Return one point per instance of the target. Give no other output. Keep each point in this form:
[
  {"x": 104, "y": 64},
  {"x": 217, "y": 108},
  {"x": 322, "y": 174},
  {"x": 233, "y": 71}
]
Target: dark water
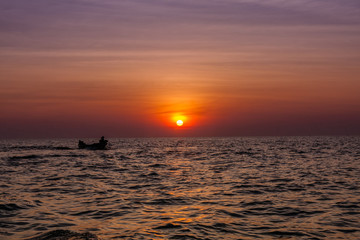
[{"x": 188, "y": 188}]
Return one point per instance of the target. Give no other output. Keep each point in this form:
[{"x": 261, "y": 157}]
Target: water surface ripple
[{"x": 183, "y": 188}]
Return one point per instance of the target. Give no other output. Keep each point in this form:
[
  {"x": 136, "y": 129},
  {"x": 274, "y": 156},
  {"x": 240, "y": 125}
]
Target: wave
[
  {"x": 34, "y": 156},
  {"x": 65, "y": 235},
  {"x": 41, "y": 147},
  {"x": 10, "y": 207}
]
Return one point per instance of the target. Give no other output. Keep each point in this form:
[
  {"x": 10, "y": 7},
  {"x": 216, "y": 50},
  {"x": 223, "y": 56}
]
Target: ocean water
[{"x": 183, "y": 188}]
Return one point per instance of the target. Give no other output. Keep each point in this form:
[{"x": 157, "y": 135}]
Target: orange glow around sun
[
  {"x": 178, "y": 112},
  {"x": 179, "y": 122},
  {"x": 179, "y": 119}
]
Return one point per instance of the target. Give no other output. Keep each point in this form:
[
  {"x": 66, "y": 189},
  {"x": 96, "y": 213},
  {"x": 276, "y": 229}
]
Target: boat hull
[{"x": 94, "y": 146}]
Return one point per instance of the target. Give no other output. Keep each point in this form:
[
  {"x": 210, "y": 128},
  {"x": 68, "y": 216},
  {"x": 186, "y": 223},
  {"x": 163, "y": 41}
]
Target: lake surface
[{"x": 183, "y": 188}]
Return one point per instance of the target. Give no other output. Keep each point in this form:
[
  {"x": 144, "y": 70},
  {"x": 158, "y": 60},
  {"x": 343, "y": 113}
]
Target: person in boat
[{"x": 102, "y": 141}]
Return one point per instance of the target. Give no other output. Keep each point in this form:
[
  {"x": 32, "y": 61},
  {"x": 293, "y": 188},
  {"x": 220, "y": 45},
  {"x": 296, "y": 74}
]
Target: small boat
[{"x": 101, "y": 145}]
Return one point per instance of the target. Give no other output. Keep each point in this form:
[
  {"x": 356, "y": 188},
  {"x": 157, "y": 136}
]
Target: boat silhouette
[{"x": 101, "y": 145}]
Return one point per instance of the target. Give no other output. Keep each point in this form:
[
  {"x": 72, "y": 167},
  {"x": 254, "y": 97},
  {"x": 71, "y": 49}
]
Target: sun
[{"x": 179, "y": 122}]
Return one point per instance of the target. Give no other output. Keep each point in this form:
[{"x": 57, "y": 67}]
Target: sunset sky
[{"x": 132, "y": 68}]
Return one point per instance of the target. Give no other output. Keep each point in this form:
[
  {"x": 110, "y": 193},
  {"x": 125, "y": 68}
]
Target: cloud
[{"x": 149, "y": 24}]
